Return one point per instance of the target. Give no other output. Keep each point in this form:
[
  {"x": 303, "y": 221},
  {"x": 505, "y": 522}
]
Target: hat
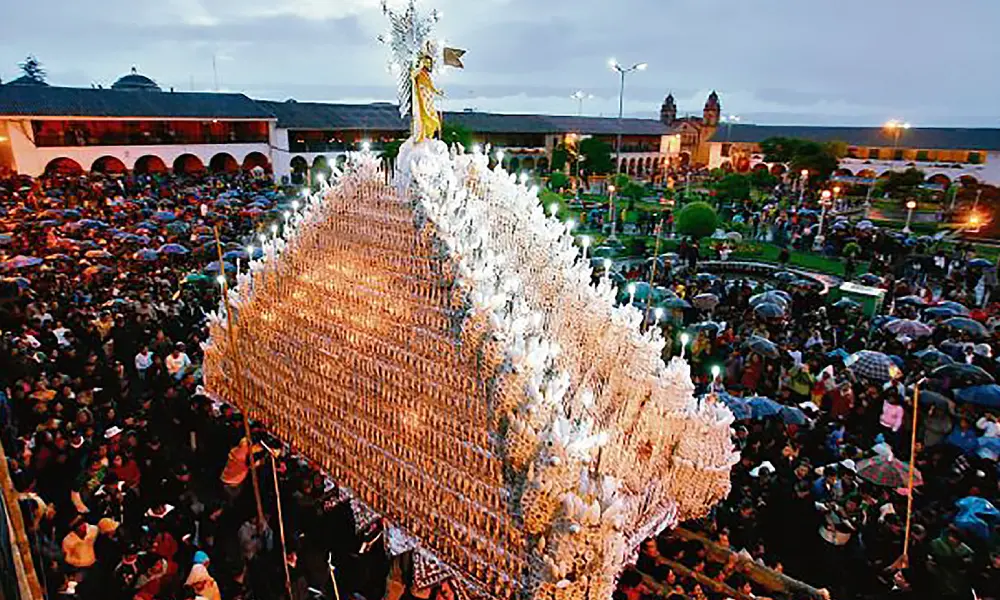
[
  {"x": 112, "y": 431},
  {"x": 983, "y": 350},
  {"x": 764, "y": 466},
  {"x": 849, "y": 465},
  {"x": 200, "y": 558},
  {"x": 107, "y": 526}
]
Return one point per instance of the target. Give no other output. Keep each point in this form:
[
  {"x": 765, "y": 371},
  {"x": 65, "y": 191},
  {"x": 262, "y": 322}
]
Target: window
[
  {"x": 975, "y": 158},
  {"x": 852, "y": 152},
  {"x": 725, "y": 149},
  {"x": 873, "y": 153},
  {"x": 923, "y": 155},
  {"x": 897, "y": 155}
]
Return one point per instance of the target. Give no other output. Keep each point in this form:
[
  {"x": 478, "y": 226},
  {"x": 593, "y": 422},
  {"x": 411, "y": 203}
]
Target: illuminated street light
[
  {"x": 580, "y": 96},
  {"x": 685, "y": 338},
  {"x": 909, "y": 215},
  {"x": 824, "y": 204},
  {"x": 896, "y": 127},
  {"x": 585, "y": 242},
  {"x": 553, "y": 209},
  {"x": 631, "y": 292}
]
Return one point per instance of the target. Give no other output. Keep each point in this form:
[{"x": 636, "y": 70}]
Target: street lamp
[
  {"x": 896, "y": 127},
  {"x": 611, "y": 206},
  {"x": 685, "y": 338},
  {"x": 803, "y": 181},
  {"x": 657, "y": 315},
  {"x": 909, "y": 215},
  {"x": 580, "y": 96},
  {"x": 729, "y": 120},
  {"x": 585, "y": 242},
  {"x": 621, "y": 104},
  {"x": 553, "y": 209},
  {"x": 824, "y": 202},
  {"x": 631, "y": 293}
]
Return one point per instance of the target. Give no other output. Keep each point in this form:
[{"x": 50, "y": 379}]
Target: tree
[
  {"x": 32, "y": 69},
  {"x": 733, "y": 187},
  {"x": 820, "y": 160},
  {"x": 697, "y": 219},
  {"x": 902, "y": 182},
  {"x": 596, "y": 157},
  {"x": 559, "y": 157},
  {"x": 453, "y": 133},
  {"x": 558, "y": 180},
  {"x": 762, "y": 179}
]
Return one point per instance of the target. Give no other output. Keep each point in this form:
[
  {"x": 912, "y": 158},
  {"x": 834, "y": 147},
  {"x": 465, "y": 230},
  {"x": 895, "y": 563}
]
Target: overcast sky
[{"x": 772, "y": 61}]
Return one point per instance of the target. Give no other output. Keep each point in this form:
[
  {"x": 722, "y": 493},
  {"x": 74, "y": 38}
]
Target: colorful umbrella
[
  {"x": 887, "y": 472},
  {"x": 21, "y": 262}
]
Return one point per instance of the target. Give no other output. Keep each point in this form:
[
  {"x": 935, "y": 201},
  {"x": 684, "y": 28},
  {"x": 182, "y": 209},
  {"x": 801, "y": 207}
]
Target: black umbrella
[
  {"x": 710, "y": 327},
  {"x": 934, "y": 398},
  {"x": 933, "y": 358},
  {"x": 785, "y": 276},
  {"x": 912, "y": 301},
  {"x": 962, "y": 375},
  {"x": 967, "y": 325}
]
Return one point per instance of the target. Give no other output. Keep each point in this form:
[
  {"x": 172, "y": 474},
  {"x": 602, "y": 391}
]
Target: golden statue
[
  {"x": 413, "y": 59},
  {"x": 426, "y": 120}
]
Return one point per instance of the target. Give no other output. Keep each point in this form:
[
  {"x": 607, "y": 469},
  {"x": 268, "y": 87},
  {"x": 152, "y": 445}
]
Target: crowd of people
[
  {"x": 823, "y": 396},
  {"x": 134, "y": 484}
]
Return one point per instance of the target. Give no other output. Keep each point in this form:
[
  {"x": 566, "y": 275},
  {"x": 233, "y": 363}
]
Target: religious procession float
[{"x": 433, "y": 340}]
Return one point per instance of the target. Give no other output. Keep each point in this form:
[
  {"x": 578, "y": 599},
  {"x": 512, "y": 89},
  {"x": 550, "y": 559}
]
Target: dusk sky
[{"x": 772, "y": 61}]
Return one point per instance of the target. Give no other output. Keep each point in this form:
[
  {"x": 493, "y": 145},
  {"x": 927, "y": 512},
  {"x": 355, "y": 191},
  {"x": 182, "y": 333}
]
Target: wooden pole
[
  {"x": 909, "y": 483},
  {"x": 231, "y": 332},
  {"x": 333, "y": 577},
  {"x": 28, "y": 585},
  {"x": 281, "y": 521}
]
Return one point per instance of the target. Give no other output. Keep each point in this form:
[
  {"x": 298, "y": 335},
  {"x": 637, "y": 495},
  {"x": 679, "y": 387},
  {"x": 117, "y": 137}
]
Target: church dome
[{"x": 136, "y": 83}]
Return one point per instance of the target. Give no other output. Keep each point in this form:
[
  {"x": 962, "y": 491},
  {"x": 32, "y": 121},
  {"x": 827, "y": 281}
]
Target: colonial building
[
  {"x": 137, "y": 126},
  {"x": 690, "y": 135},
  {"x": 945, "y": 154}
]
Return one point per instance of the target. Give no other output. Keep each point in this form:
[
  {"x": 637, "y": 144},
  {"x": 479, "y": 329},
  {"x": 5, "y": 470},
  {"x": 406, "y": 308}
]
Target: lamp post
[
  {"x": 622, "y": 71},
  {"x": 580, "y": 96},
  {"x": 836, "y": 195},
  {"x": 729, "y": 120},
  {"x": 585, "y": 242},
  {"x": 657, "y": 315},
  {"x": 803, "y": 181},
  {"x": 824, "y": 203},
  {"x": 631, "y": 293},
  {"x": 909, "y": 215},
  {"x": 607, "y": 267},
  {"x": 614, "y": 217},
  {"x": 896, "y": 127},
  {"x": 685, "y": 338}
]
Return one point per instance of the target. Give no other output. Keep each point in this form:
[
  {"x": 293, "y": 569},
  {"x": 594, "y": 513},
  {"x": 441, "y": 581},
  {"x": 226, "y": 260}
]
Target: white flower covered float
[{"x": 435, "y": 343}]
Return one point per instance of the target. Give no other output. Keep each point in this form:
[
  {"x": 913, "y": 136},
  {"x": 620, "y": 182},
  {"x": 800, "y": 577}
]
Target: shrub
[
  {"x": 852, "y": 249},
  {"x": 697, "y": 219}
]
